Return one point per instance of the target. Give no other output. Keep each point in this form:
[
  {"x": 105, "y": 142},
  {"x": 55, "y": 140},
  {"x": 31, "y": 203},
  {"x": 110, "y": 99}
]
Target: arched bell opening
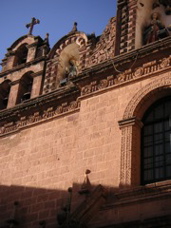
[
  {"x": 25, "y": 88},
  {"x": 21, "y": 55},
  {"x": 4, "y": 94}
]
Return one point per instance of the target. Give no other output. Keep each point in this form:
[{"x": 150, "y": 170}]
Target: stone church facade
[{"x": 85, "y": 126}]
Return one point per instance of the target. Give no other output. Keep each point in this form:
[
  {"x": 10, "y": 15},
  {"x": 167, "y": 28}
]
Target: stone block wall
[{"x": 38, "y": 164}]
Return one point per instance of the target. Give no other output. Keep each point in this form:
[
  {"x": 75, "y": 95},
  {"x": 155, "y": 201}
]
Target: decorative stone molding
[
  {"x": 105, "y": 47},
  {"x": 51, "y": 73},
  {"x": 136, "y": 103},
  {"x": 126, "y": 18},
  {"x": 130, "y": 154},
  {"x": 131, "y": 128},
  {"x": 38, "y": 117},
  {"x": 79, "y": 39},
  {"x": 147, "y": 69},
  {"x": 139, "y": 193},
  {"x": 28, "y": 114}
]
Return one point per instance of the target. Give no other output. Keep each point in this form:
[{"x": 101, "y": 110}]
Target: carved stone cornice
[
  {"x": 22, "y": 66},
  {"x": 37, "y": 110},
  {"x": 91, "y": 83},
  {"x": 118, "y": 62},
  {"x": 15, "y": 82},
  {"x": 36, "y": 74},
  {"x": 130, "y": 122},
  {"x": 133, "y": 195}
]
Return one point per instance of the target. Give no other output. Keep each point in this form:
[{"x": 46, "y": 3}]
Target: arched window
[
  {"x": 156, "y": 142},
  {"x": 21, "y": 55},
  {"x": 25, "y": 87},
  {"x": 4, "y": 94}
]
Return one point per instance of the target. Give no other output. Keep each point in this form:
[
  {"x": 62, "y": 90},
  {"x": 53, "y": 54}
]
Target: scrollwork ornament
[
  {"x": 103, "y": 84},
  {"x": 139, "y": 72},
  {"x": 86, "y": 90},
  {"x": 121, "y": 77},
  {"x": 59, "y": 110},
  {"x": 73, "y": 105},
  {"x": 165, "y": 63}
]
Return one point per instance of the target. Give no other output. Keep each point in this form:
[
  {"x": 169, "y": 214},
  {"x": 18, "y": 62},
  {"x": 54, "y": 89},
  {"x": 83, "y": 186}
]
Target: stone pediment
[{"x": 87, "y": 209}]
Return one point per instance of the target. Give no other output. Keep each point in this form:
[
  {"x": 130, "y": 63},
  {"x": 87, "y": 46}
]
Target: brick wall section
[{"x": 38, "y": 164}]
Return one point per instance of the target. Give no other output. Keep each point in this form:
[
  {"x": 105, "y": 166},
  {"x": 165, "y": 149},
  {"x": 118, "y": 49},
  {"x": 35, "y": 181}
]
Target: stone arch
[
  {"x": 25, "y": 87},
  {"x": 131, "y": 125},
  {"x": 146, "y": 96},
  {"x": 70, "y": 48},
  {"x": 21, "y": 55},
  {"x": 79, "y": 38}
]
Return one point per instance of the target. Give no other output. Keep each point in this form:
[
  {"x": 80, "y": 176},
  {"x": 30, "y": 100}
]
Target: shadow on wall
[
  {"x": 39, "y": 207},
  {"x": 85, "y": 206}
]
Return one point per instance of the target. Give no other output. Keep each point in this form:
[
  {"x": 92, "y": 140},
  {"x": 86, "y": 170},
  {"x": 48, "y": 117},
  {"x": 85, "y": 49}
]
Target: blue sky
[{"x": 56, "y": 17}]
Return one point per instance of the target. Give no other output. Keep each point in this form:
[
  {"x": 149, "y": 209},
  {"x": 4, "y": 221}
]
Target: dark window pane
[
  {"x": 148, "y": 175},
  {"x": 159, "y": 161},
  {"x": 158, "y": 138},
  {"x": 148, "y": 163},
  {"x": 149, "y": 117},
  {"x": 156, "y": 142},
  {"x": 167, "y": 136},
  {"x": 158, "y": 149},
  {"x": 166, "y": 125},
  {"x": 167, "y": 108},
  {"x": 148, "y": 151},
  {"x": 158, "y": 112},
  {"x": 168, "y": 171},
  {"x": 148, "y": 130},
  {"x": 159, "y": 173},
  {"x": 168, "y": 159},
  {"x": 158, "y": 127},
  {"x": 148, "y": 140},
  {"x": 168, "y": 147}
]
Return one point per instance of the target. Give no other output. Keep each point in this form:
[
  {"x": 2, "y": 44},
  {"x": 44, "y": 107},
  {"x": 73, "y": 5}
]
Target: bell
[
  {"x": 26, "y": 96},
  {"x": 5, "y": 101}
]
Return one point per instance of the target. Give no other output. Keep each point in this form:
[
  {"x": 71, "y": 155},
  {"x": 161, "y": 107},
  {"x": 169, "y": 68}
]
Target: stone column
[
  {"x": 37, "y": 82},
  {"x": 13, "y": 94},
  {"x": 31, "y": 52}
]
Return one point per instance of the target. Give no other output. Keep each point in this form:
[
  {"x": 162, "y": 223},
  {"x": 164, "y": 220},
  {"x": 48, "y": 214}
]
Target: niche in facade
[
  {"x": 68, "y": 63},
  {"x": 152, "y": 22},
  {"x": 21, "y": 55},
  {"x": 4, "y": 94},
  {"x": 25, "y": 88}
]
